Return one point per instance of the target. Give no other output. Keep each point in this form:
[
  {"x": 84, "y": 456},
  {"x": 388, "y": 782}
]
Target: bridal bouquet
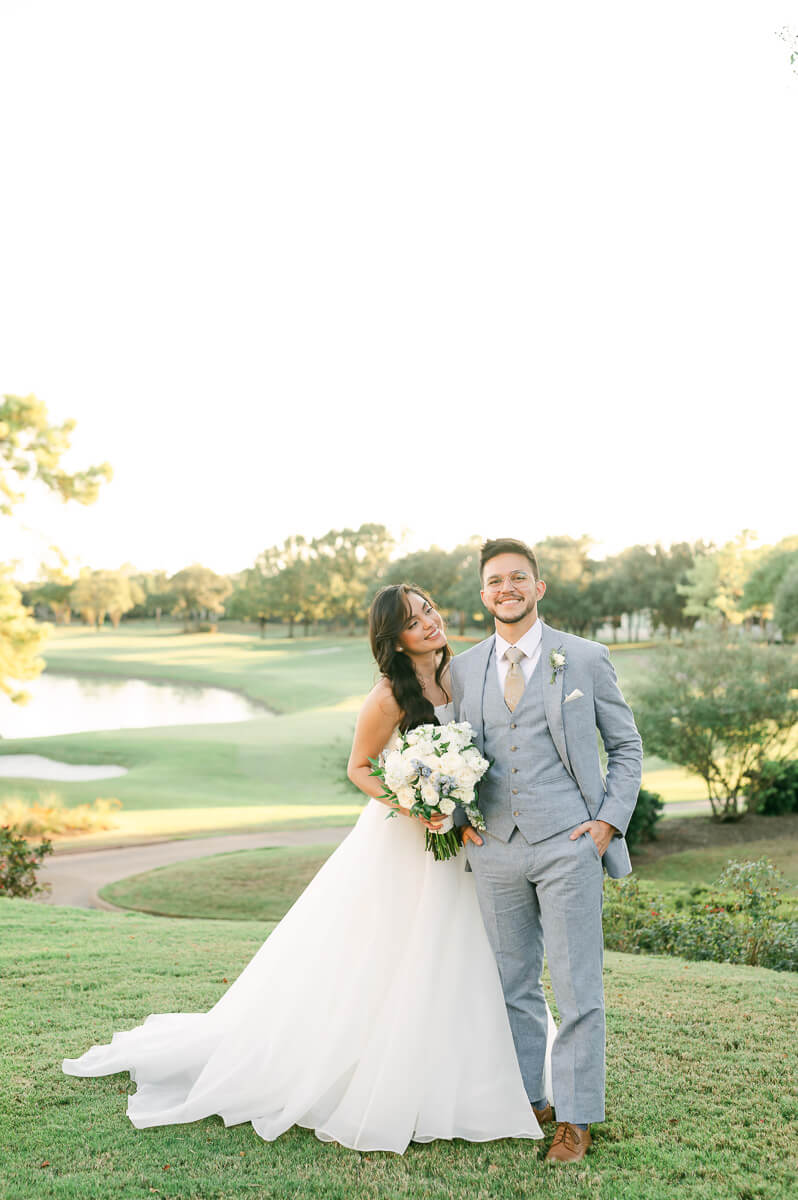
[{"x": 431, "y": 769}]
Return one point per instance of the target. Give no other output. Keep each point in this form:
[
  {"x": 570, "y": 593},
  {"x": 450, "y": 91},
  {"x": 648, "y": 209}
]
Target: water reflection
[{"x": 74, "y": 704}]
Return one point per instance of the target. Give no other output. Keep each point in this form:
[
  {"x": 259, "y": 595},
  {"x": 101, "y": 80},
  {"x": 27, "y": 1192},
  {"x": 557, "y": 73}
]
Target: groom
[{"x": 534, "y": 698}]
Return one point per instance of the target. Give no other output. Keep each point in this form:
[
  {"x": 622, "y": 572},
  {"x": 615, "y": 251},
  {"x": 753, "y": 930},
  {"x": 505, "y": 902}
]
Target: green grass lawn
[
  {"x": 269, "y": 771},
  {"x": 262, "y": 884},
  {"x": 245, "y": 885},
  {"x": 699, "y": 1097}
]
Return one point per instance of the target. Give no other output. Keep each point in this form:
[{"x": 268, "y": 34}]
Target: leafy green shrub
[
  {"x": 740, "y": 929},
  {"x": 19, "y": 862},
  {"x": 648, "y": 811},
  {"x": 718, "y": 705},
  {"x": 773, "y": 789}
]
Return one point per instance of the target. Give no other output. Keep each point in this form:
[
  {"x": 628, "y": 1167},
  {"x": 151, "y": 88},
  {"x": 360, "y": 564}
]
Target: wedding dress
[{"x": 372, "y": 1014}]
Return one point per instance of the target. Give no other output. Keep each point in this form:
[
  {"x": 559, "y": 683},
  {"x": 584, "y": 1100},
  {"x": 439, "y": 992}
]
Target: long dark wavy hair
[{"x": 389, "y": 611}]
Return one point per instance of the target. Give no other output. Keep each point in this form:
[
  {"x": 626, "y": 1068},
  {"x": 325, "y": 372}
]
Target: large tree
[
  {"x": 200, "y": 593},
  {"x": 31, "y": 448},
  {"x": 785, "y": 607},
  {"x": 98, "y": 594},
  {"x": 566, "y": 567},
  {"x": 719, "y": 705},
  {"x": 21, "y": 640},
  {"x": 715, "y": 583},
  {"x": 764, "y": 581},
  {"x": 667, "y": 603},
  {"x": 355, "y": 561}
]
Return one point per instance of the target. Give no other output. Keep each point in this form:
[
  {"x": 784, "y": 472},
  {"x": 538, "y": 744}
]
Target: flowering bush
[{"x": 742, "y": 929}]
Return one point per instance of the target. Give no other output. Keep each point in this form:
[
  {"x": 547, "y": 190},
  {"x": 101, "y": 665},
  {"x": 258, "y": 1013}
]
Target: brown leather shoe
[
  {"x": 570, "y": 1143},
  {"x": 543, "y": 1116}
]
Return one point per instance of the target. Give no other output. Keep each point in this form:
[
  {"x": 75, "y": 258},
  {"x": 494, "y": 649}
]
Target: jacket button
[
  {"x": 516, "y": 813},
  {"x": 515, "y": 770},
  {"x": 515, "y": 791},
  {"x": 513, "y": 725},
  {"x": 513, "y": 747}
]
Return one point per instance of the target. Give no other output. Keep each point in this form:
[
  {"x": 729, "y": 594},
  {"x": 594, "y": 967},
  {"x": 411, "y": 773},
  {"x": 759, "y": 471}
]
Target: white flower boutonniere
[{"x": 556, "y": 662}]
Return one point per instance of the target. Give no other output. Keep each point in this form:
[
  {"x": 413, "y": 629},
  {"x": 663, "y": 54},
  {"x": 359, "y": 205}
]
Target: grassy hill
[{"x": 699, "y": 1096}]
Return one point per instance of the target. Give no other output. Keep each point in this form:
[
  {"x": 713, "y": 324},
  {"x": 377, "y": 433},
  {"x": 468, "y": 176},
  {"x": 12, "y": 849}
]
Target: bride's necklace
[{"x": 432, "y": 682}]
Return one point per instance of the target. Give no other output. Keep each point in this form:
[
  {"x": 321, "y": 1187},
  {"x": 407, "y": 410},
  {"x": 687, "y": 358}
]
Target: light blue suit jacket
[{"x": 572, "y": 721}]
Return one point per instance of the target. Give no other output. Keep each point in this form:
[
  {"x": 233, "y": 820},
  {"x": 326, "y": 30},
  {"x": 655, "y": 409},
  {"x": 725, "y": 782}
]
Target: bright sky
[{"x": 512, "y": 268}]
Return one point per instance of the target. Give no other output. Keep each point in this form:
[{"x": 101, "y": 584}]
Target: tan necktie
[{"x": 514, "y": 680}]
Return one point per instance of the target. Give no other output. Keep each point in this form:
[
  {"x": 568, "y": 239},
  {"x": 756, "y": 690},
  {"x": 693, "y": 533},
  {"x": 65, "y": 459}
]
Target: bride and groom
[{"x": 400, "y": 998}]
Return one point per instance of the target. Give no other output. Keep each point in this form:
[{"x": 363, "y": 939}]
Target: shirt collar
[{"x": 528, "y": 643}]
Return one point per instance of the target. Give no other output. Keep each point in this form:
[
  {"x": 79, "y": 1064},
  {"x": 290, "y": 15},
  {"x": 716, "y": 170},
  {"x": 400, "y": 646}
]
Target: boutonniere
[{"x": 556, "y": 662}]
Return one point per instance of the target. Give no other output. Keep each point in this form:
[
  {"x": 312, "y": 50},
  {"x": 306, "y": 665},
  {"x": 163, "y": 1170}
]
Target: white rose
[
  {"x": 449, "y": 762},
  {"x": 558, "y": 660},
  {"x": 398, "y": 770},
  {"x": 406, "y": 797},
  {"x": 429, "y": 794},
  {"x": 447, "y": 807},
  {"x": 424, "y": 750},
  {"x": 465, "y": 795},
  {"x": 465, "y": 776}
]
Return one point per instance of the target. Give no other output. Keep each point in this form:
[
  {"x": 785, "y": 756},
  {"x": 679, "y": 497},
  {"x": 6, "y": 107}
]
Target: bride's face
[{"x": 423, "y": 630}]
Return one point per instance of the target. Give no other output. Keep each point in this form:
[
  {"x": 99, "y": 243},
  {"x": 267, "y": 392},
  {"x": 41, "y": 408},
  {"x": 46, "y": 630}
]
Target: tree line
[{"x": 329, "y": 581}]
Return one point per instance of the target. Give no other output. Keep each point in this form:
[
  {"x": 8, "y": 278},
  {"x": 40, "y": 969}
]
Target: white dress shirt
[{"x": 529, "y": 643}]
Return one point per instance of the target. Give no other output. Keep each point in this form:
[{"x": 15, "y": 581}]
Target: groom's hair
[{"x": 507, "y": 546}]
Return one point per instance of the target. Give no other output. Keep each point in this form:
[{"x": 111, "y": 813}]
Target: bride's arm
[{"x": 376, "y": 721}]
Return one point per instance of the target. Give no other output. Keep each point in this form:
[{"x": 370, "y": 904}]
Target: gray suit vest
[{"x": 528, "y": 785}]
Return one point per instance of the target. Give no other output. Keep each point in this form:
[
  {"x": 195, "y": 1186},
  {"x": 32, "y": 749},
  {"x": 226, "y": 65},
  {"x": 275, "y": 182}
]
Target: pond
[{"x": 74, "y": 704}]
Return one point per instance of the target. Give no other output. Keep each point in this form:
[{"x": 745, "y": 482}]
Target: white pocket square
[{"x": 574, "y": 695}]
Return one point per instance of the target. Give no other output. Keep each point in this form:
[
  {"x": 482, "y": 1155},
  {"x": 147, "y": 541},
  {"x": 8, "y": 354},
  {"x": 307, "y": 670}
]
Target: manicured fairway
[
  {"x": 263, "y": 884},
  {"x": 271, "y": 771},
  {"x": 700, "y": 1102},
  {"x": 248, "y": 885}
]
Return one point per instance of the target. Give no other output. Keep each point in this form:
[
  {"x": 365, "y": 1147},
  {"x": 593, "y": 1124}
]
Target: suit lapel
[
  {"x": 475, "y": 687},
  {"x": 552, "y": 694}
]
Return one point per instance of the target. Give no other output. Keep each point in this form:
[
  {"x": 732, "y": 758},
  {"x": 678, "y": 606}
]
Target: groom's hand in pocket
[
  {"x": 601, "y": 832},
  {"x": 470, "y": 835}
]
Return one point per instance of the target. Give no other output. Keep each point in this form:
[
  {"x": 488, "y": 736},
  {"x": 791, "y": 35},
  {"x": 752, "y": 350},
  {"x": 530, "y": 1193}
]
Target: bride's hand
[
  {"x": 470, "y": 834},
  {"x": 433, "y": 824}
]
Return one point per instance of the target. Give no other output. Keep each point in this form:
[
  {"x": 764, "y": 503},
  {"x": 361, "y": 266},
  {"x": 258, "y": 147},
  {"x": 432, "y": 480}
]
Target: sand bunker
[{"x": 34, "y": 766}]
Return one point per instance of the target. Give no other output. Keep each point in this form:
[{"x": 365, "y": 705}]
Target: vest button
[
  {"x": 513, "y": 747},
  {"x": 515, "y": 770},
  {"x": 513, "y": 725},
  {"x": 516, "y": 813},
  {"x": 515, "y": 791}
]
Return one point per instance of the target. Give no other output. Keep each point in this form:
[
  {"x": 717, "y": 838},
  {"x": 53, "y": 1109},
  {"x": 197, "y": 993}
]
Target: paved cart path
[{"x": 77, "y": 877}]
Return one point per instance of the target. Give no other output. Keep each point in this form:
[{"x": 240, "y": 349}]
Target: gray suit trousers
[{"x": 549, "y": 893}]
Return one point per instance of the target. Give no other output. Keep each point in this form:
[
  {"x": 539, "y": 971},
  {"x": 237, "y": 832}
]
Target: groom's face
[{"x": 510, "y": 591}]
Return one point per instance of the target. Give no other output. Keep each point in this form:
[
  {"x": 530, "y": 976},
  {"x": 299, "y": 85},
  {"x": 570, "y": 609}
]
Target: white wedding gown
[{"x": 372, "y": 1014}]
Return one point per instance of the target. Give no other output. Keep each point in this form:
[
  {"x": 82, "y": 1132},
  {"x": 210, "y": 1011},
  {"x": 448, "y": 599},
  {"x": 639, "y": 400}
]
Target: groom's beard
[{"x": 513, "y": 618}]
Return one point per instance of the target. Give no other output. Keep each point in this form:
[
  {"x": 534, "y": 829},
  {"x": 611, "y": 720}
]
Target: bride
[{"x": 373, "y": 1013}]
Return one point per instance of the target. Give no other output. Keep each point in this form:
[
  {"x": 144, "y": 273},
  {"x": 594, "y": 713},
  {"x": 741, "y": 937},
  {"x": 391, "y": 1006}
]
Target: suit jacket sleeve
[{"x": 622, "y": 743}]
